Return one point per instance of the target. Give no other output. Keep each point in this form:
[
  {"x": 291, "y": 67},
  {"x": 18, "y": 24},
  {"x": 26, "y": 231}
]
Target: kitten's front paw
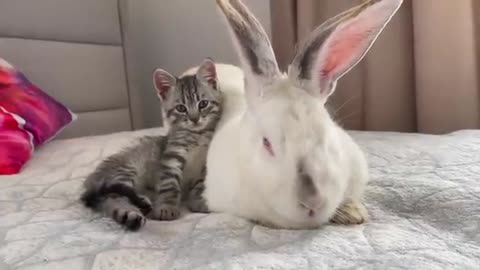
[
  {"x": 131, "y": 219},
  {"x": 164, "y": 212},
  {"x": 144, "y": 204},
  {"x": 198, "y": 206},
  {"x": 351, "y": 212}
]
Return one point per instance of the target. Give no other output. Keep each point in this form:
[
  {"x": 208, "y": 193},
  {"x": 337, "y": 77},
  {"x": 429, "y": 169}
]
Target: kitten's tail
[
  {"x": 119, "y": 201},
  {"x": 92, "y": 198},
  {"x": 112, "y": 192}
]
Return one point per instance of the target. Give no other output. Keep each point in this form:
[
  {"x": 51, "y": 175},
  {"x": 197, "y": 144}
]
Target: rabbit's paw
[{"x": 350, "y": 212}]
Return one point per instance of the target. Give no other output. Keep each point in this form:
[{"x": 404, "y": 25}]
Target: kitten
[{"x": 153, "y": 178}]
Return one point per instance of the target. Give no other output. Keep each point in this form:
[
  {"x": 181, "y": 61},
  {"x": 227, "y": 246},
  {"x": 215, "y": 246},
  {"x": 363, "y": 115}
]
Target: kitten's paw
[
  {"x": 351, "y": 212},
  {"x": 144, "y": 204},
  {"x": 130, "y": 219},
  {"x": 198, "y": 206},
  {"x": 164, "y": 212}
]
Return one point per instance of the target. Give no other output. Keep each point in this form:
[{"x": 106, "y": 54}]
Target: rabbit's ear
[
  {"x": 339, "y": 44},
  {"x": 164, "y": 82},
  {"x": 207, "y": 73},
  {"x": 252, "y": 43}
]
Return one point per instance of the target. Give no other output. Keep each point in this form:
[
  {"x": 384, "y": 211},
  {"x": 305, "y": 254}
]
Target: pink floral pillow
[{"x": 28, "y": 117}]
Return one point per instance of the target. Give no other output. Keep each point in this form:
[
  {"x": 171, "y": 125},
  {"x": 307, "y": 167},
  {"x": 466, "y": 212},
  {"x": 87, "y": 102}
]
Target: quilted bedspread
[{"x": 423, "y": 198}]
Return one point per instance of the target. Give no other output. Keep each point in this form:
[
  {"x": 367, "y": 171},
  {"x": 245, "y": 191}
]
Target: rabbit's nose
[
  {"x": 313, "y": 202},
  {"x": 312, "y": 206},
  {"x": 307, "y": 185}
]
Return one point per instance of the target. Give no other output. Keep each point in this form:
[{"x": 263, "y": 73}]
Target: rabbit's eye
[{"x": 268, "y": 146}]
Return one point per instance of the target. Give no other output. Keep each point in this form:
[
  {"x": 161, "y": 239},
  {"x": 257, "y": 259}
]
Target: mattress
[{"x": 423, "y": 198}]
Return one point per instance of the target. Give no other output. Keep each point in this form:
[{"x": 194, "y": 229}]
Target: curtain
[{"x": 422, "y": 74}]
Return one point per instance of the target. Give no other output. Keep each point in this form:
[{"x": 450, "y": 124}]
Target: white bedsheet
[{"x": 424, "y": 202}]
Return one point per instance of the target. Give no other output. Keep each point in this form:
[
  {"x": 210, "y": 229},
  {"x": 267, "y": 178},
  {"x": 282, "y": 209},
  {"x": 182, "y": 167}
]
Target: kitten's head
[{"x": 191, "y": 101}]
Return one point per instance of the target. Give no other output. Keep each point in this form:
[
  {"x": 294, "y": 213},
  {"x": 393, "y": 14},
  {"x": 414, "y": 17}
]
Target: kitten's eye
[
  {"x": 203, "y": 104},
  {"x": 181, "y": 108}
]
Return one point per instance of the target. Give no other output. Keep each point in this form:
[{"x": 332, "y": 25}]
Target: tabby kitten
[{"x": 155, "y": 177}]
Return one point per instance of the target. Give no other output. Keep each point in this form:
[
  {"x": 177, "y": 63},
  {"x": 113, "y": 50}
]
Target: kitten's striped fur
[{"x": 154, "y": 177}]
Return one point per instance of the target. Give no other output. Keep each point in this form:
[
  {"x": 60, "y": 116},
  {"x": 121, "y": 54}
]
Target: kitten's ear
[
  {"x": 164, "y": 82},
  {"x": 207, "y": 73}
]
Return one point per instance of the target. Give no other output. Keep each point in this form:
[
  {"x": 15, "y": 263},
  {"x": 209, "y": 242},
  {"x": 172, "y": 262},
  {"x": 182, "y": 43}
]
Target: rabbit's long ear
[
  {"x": 339, "y": 44},
  {"x": 251, "y": 41}
]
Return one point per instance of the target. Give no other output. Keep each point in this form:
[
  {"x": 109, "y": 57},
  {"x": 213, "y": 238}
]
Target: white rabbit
[{"x": 278, "y": 157}]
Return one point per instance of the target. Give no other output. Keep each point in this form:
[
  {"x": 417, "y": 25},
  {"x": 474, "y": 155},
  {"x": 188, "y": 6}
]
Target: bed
[
  {"x": 423, "y": 198},
  {"x": 424, "y": 202}
]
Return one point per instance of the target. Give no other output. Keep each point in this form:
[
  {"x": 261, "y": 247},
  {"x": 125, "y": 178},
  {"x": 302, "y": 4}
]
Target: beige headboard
[
  {"x": 97, "y": 56},
  {"x": 74, "y": 51}
]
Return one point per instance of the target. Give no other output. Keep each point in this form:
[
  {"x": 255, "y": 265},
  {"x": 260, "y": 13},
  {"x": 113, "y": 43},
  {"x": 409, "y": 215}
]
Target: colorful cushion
[
  {"x": 16, "y": 144},
  {"x": 28, "y": 117}
]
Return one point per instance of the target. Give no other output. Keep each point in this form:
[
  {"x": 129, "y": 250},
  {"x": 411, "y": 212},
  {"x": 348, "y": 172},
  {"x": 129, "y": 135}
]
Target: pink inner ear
[
  {"x": 210, "y": 75},
  {"x": 163, "y": 86},
  {"x": 211, "y": 72},
  {"x": 344, "y": 49},
  {"x": 350, "y": 41}
]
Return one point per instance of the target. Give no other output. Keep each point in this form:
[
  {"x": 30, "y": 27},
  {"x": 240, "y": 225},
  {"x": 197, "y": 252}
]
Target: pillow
[
  {"x": 16, "y": 144},
  {"x": 44, "y": 116},
  {"x": 28, "y": 114}
]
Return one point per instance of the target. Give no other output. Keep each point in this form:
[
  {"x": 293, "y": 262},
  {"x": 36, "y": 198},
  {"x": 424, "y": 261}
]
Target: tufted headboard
[
  {"x": 97, "y": 56},
  {"x": 74, "y": 51}
]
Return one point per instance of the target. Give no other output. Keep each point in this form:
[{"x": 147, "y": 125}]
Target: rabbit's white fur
[
  {"x": 308, "y": 168},
  {"x": 243, "y": 179}
]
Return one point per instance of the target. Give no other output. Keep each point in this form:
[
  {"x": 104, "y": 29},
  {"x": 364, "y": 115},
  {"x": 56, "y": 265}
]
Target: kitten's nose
[{"x": 194, "y": 118}]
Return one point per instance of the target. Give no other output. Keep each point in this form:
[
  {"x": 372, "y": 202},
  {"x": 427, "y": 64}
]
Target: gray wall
[{"x": 174, "y": 35}]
